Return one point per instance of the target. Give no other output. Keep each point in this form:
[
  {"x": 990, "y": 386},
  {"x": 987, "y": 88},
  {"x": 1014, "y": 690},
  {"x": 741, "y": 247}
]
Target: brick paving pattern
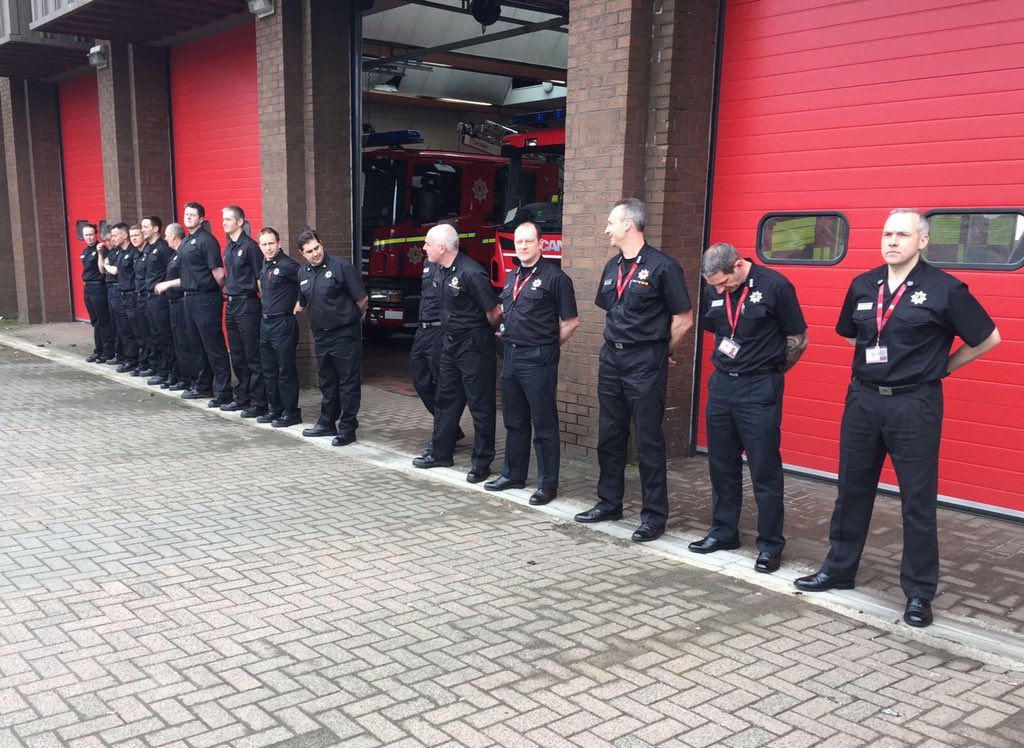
[{"x": 171, "y": 577}]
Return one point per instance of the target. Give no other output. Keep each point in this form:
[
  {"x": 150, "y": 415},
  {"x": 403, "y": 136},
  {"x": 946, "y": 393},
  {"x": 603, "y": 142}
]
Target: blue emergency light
[{"x": 530, "y": 118}]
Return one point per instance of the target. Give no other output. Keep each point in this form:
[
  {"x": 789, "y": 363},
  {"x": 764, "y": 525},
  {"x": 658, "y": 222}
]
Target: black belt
[
  {"x": 900, "y": 389},
  {"x": 526, "y": 345},
  {"x": 190, "y": 293},
  {"x": 425, "y": 325},
  {"x": 277, "y": 315},
  {"x": 623, "y": 346},
  {"x": 237, "y": 296},
  {"x": 755, "y": 372},
  {"x": 95, "y": 283},
  {"x": 127, "y": 293}
]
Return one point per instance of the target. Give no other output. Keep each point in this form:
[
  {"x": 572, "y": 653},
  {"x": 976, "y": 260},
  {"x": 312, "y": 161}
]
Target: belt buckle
[
  {"x": 885, "y": 390},
  {"x": 617, "y": 345}
]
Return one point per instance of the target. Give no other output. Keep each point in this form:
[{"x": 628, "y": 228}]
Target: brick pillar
[
  {"x": 638, "y": 117},
  {"x": 149, "y": 106},
  {"x": 32, "y": 148},
  {"x": 117, "y": 135},
  {"x": 8, "y": 288}
]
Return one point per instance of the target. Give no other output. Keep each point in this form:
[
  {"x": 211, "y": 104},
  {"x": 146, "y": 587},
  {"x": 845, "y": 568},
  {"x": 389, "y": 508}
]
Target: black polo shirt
[
  {"x": 242, "y": 260},
  {"x": 656, "y": 290},
  {"x": 430, "y": 292},
  {"x": 770, "y": 313},
  {"x": 280, "y": 284},
  {"x": 141, "y": 260},
  {"x": 935, "y": 308},
  {"x": 466, "y": 297},
  {"x": 90, "y": 271},
  {"x": 173, "y": 273},
  {"x": 329, "y": 293},
  {"x": 158, "y": 254},
  {"x": 546, "y": 296},
  {"x": 198, "y": 255},
  {"x": 112, "y": 255},
  {"x": 126, "y": 268}
]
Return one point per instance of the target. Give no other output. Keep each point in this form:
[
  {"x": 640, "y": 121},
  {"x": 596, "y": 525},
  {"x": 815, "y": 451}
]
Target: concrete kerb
[{"x": 958, "y": 636}]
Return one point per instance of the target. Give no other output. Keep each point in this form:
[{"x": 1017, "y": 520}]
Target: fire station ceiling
[{"x": 435, "y": 49}]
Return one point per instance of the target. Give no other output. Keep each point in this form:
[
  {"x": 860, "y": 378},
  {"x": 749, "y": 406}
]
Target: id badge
[
  {"x": 877, "y": 355},
  {"x": 728, "y": 347}
]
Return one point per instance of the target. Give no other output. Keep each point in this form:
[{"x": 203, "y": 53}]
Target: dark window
[
  {"x": 439, "y": 188},
  {"x": 383, "y": 191},
  {"x": 976, "y": 238},
  {"x": 802, "y": 238}
]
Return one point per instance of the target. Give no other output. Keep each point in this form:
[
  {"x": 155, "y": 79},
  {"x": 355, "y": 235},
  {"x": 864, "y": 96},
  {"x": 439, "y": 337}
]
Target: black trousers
[
  {"x": 279, "y": 338},
  {"x": 339, "y": 354},
  {"x": 158, "y": 314},
  {"x": 745, "y": 413},
  {"x": 142, "y": 333},
  {"x": 908, "y": 428},
  {"x": 206, "y": 338},
  {"x": 182, "y": 342},
  {"x": 114, "y": 305},
  {"x": 99, "y": 317},
  {"x": 467, "y": 375},
  {"x": 129, "y": 324},
  {"x": 424, "y": 362},
  {"x": 529, "y": 381},
  {"x": 631, "y": 386},
  {"x": 242, "y": 321}
]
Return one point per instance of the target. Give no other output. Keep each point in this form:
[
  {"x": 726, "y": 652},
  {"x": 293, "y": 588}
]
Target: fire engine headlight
[{"x": 385, "y": 295}]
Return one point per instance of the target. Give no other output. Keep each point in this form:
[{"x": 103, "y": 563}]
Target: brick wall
[
  {"x": 116, "y": 132},
  {"x": 149, "y": 107},
  {"x": 8, "y": 288},
  {"x": 637, "y": 113}
]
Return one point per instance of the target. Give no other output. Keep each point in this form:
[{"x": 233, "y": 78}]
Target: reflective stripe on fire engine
[{"x": 405, "y": 239}]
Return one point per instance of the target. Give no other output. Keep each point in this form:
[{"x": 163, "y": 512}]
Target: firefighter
[
  {"x": 539, "y": 316},
  {"x": 469, "y": 313},
  {"x": 759, "y": 333},
  {"x": 96, "y": 298},
  {"x": 158, "y": 314},
  {"x": 170, "y": 287},
  {"x": 279, "y": 332},
  {"x": 643, "y": 293},
  {"x": 901, "y": 318}
]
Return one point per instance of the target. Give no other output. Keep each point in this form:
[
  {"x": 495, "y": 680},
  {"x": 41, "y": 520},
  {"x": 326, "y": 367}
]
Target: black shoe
[
  {"x": 543, "y": 496},
  {"x": 194, "y": 394},
  {"x": 231, "y": 407},
  {"x": 428, "y": 461},
  {"x": 177, "y": 386},
  {"x": 129, "y": 368},
  {"x": 710, "y": 545},
  {"x": 820, "y": 581},
  {"x": 598, "y": 515},
  {"x": 289, "y": 419},
  {"x": 115, "y": 361},
  {"x": 219, "y": 402},
  {"x": 253, "y": 411},
  {"x": 477, "y": 474},
  {"x": 268, "y": 417},
  {"x": 156, "y": 380},
  {"x": 767, "y": 562},
  {"x": 918, "y": 613},
  {"x": 318, "y": 429},
  {"x": 344, "y": 438},
  {"x": 93, "y": 358},
  {"x": 101, "y": 360},
  {"x": 647, "y": 532},
  {"x": 147, "y": 372},
  {"x": 501, "y": 483},
  {"x": 166, "y": 384}
]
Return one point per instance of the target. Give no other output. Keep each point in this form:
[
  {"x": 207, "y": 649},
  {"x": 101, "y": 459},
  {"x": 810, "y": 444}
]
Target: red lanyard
[
  {"x": 620, "y": 283},
  {"x": 882, "y": 319},
  {"x": 733, "y": 321},
  {"x": 517, "y": 287}
]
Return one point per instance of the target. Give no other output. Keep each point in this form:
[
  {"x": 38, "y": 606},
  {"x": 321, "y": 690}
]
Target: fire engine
[{"x": 405, "y": 192}]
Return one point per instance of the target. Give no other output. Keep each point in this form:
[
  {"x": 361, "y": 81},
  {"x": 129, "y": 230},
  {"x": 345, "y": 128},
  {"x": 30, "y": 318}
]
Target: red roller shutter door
[
  {"x": 82, "y": 159},
  {"x": 215, "y": 125},
  {"x": 819, "y": 110}
]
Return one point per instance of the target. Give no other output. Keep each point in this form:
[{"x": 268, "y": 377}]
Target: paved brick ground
[{"x": 172, "y": 577}]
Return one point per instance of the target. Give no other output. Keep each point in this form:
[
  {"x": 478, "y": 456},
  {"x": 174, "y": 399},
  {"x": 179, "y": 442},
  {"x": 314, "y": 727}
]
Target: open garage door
[
  {"x": 82, "y": 161},
  {"x": 215, "y": 125}
]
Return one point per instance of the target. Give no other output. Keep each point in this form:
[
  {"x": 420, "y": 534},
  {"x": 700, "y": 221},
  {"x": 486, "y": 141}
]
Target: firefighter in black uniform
[
  {"x": 202, "y": 276},
  {"x": 242, "y": 261},
  {"x": 158, "y": 313},
  {"x": 901, "y": 318},
  {"x": 122, "y": 268},
  {"x": 279, "y": 332},
  {"x": 468, "y": 370},
  {"x": 539, "y": 315},
  {"x": 643, "y": 293},
  {"x": 331, "y": 289},
  {"x": 759, "y": 333},
  {"x": 141, "y": 327},
  {"x": 96, "y": 298},
  {"x": 109, "y": 252},
  {"x": 170, "y": 288}
]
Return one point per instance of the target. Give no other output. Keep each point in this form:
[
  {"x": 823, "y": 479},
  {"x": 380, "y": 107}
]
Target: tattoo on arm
[{"x": 795, "y": 345}]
